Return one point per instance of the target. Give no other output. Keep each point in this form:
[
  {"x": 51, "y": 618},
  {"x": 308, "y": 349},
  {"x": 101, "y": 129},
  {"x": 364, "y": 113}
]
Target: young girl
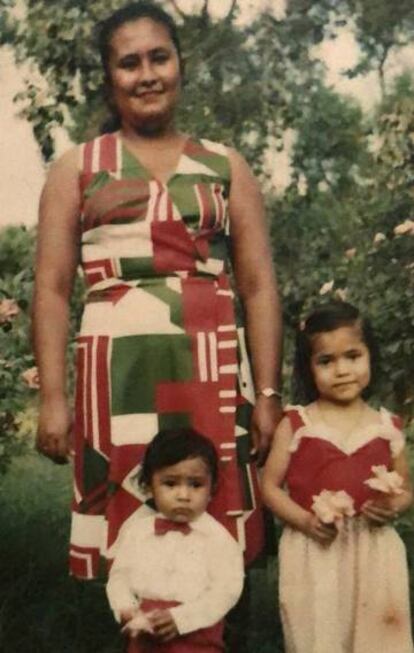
[
  {"x": 343, "y": 579},
  {"x": 177, "y": 572}
]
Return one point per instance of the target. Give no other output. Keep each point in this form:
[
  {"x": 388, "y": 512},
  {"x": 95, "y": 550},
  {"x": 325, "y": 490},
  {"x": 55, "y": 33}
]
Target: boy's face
[{"x": 182, "y": 492}]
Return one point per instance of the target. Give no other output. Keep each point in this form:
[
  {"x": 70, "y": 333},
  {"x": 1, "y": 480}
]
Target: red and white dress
[{"x": 351, "y": 596}]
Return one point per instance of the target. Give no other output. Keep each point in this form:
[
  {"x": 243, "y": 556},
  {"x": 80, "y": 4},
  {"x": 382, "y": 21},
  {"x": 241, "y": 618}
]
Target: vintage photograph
[{"x": 206, "y": 326}]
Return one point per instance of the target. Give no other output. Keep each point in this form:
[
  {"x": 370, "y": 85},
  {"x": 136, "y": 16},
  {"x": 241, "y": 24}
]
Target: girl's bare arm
[{"x": 275, "y": 497}]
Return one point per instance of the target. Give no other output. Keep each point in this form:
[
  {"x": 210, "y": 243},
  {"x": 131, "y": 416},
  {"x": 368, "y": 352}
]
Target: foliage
[
  {"x": 236, "y": 88},
  {"x": 18, "y": 377},
  {"x": 354, "y": 233},
  {"x": 16, "y": 246},
  {"x": 351, "y": 173}
]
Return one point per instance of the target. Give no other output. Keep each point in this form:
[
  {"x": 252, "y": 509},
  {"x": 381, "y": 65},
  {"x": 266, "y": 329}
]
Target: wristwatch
[{"x": 269, "y": 392}]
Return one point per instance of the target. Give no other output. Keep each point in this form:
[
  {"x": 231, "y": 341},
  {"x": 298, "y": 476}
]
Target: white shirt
[{"x": 203, "y": 570}]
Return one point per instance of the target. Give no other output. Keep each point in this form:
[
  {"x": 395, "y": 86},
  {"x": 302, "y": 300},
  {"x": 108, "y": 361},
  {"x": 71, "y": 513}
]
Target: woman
[{"x": 147, "y": 210}]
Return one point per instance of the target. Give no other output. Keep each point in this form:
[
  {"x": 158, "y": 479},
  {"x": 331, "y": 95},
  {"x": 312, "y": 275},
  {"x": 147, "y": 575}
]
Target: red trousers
[{"x": 205, "y": 640}]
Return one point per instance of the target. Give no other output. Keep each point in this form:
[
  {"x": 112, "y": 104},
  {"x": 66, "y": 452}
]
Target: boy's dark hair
[
  {"x": 325, "y": 318},
  {"x": 172, "y": 446},
  {"x": 130, "y": 13}
]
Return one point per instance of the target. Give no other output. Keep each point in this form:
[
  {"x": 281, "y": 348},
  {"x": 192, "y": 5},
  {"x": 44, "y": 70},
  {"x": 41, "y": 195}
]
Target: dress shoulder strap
[
  {"x": 210, "y": 158},
  {"x": 294, "y": 414},
  {"x": 102, "y": 153}
]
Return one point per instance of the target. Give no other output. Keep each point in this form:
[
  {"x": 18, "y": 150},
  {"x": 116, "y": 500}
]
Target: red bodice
[{"x": 318, "y": 463}]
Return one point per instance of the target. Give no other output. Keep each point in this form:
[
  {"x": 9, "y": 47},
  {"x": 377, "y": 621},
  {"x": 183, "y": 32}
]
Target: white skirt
[{"x": 349, "y": 597}]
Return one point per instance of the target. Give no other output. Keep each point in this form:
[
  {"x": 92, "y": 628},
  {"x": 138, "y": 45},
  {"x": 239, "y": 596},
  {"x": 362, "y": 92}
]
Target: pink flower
[
  {"x": 379, "y": 237},
  {"x": 406, "y": 228},
  {"x": 332, "y": 507},
  {"x": 350, "y": 253},
  {"x": 137, "y": 625},
  {"x": 385, "y": 481},
  {"x": 8, "y": 310},
  {"x": 327, "y": 287},
  {"x": 31, "y": 378},
  {"x": 341, "y": 294}
]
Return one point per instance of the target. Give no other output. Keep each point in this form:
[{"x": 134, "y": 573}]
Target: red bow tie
[{"x": 162, "y": 526}]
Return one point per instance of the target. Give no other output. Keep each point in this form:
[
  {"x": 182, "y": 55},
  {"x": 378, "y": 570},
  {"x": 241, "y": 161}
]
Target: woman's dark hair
[
  {"x": 130, "y": 13},
  {"x": 106, "y": 30},
  {"x": 172, "y": 446},
  {"x": 325, "y": 318}
]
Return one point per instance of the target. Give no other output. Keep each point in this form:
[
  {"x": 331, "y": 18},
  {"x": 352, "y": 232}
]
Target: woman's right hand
[
  {"x": 318, "y": 531},
  {"x": 54, "y": 430}
]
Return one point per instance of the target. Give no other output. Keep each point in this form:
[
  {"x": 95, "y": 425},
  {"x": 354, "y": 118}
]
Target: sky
[{"x": 22, "y": 170}]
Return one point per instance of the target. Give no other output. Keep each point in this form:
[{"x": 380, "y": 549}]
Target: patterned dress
[
  {"x": 161, "y": 343},
  {"x": 350, "y": 596}
]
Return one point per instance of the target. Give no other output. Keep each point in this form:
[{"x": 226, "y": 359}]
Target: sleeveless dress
[
  {"x": 161, "y": 342},
  {"x": 351, "y": 596}
]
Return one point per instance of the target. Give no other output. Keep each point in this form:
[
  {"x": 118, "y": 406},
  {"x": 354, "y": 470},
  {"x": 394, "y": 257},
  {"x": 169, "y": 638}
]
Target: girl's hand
[
  {"x": 163, "y": 625},
  {"x": 318, "y": 531},
  {"x": 54, "y": 429},
  {"x": 379, "y": 514},
  {"x": 267, "y": 414}
]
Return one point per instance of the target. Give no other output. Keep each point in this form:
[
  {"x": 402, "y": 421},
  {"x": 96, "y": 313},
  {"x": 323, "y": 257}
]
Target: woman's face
[{"x": 144, "y": 74}]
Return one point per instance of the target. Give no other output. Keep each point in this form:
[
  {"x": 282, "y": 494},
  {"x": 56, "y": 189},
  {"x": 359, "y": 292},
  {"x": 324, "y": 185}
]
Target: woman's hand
[
  {"x": 379, "y": 513},
  {"x": 163, "y": 624},
  {"x": 318, "y": 531},
  {"x": 54, "y": 430},
  {"x": 267, "y": 414}
]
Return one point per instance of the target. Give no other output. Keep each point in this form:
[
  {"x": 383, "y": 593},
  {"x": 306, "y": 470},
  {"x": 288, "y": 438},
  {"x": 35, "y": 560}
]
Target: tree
[{"x": 236, "y": 87}]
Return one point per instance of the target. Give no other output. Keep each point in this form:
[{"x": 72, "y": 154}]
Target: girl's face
[
  {"x": 182, "y": 492},
  {"x": 340, "y": 364},
  {"x": 144, "y": 73}
]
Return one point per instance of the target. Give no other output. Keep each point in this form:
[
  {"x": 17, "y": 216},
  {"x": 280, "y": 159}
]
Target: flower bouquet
[
  {"x": 137, "y": 625},
  {"x": 333, "y": 507},
  {"x": 386, "y": 484},
  {"x": 384, "y": 481}
]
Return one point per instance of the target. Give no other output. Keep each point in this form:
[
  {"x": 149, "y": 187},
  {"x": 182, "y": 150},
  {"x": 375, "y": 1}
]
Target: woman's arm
[
  {"x": 56, "y": 261},
  {"x": 278, "y": 500},
  {"x": 256, "y": 283}
]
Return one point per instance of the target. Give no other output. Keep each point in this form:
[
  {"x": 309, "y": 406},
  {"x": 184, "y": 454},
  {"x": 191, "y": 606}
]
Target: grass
[{"x": 43, "y": 610}]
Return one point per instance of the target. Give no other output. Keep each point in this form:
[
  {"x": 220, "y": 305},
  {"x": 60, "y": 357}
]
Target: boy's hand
[
  {"x": 378, "y": 514},
  {"x": 126, "y": 615},
  {"x": 163, "y": 625},
  {"x": 318, "y": 531}
]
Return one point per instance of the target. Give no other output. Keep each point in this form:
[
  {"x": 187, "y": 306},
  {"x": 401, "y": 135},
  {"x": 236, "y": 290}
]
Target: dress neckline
[
  {"x": 383, "y": 414},
  {"x": 150, "y": 176},
  {"x": 356, "y": 440}
]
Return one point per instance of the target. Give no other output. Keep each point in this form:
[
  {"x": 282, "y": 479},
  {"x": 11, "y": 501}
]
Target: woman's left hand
[
  {"x": 267, "y": 414},
  {"x": 378, "y": 514}
]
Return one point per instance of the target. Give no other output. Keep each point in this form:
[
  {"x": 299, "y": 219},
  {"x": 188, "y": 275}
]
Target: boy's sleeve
[
  {"x": 118, "y": 589},
  {"x": 226, "y": 574}
]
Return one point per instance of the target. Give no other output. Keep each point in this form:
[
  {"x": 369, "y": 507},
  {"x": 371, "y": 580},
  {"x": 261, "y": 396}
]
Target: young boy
[{"x": 177, "y": 572}]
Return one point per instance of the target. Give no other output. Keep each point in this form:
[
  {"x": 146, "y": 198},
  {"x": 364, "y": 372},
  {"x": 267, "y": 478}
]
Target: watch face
[{"x": 268, "y": 392}]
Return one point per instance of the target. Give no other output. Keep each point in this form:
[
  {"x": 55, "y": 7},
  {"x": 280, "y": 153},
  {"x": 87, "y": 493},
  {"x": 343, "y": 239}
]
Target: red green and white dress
[{"x": 161, "y": 343}]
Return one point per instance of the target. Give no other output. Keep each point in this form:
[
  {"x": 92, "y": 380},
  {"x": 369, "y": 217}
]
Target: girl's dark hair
[
  {"x": 172, "y": 446},
  {"x": 108, "y": 27},
  {"x": 325, "y": 318}
]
